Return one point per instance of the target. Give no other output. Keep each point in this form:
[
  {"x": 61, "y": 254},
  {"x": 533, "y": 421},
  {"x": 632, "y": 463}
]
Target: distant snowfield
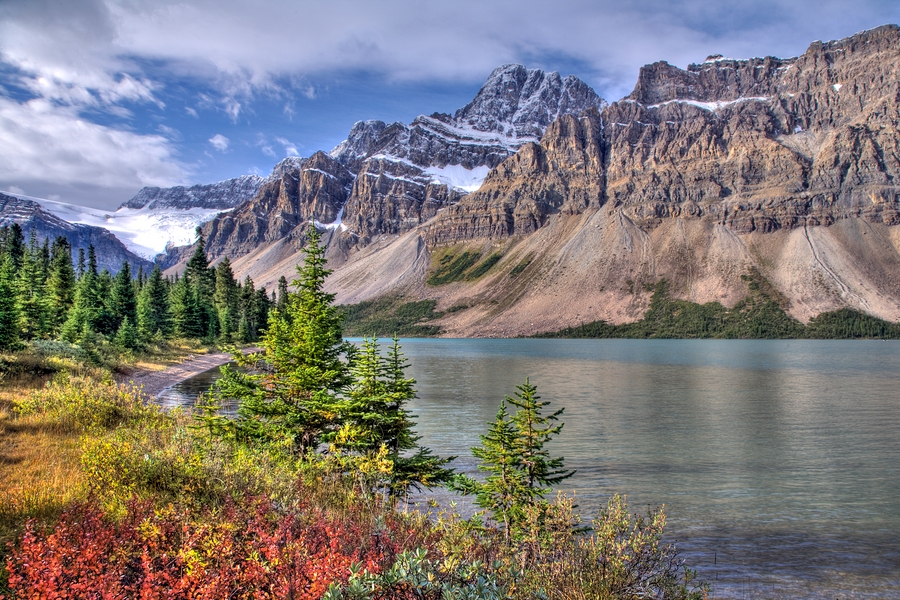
[{"x": 143, "y": 231}]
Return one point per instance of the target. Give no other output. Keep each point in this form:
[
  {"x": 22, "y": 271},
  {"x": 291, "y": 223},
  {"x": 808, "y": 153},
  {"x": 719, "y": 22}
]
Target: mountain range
[{"x": 539, "y": 206}]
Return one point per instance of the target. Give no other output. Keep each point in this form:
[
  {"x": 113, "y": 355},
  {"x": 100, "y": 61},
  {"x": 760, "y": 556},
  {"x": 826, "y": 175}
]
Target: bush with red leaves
[{"x": 246, "y": 550}]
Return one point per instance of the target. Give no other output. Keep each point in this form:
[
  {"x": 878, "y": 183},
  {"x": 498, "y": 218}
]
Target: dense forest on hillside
[{"x": 47, "y": 294}]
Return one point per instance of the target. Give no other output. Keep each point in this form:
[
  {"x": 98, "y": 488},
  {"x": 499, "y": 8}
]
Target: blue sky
[{"x": 99, "y": 98}]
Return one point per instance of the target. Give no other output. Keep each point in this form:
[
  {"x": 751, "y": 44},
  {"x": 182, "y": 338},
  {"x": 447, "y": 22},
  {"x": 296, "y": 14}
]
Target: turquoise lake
[{"x": 778, "y": 461}]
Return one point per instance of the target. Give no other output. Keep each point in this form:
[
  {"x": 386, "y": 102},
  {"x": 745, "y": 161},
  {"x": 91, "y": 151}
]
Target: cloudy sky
[{"x": 101, "y": 97}]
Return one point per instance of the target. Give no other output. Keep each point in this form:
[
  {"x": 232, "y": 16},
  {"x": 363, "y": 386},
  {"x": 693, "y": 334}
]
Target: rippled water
[{"x": 778, "y": 461}]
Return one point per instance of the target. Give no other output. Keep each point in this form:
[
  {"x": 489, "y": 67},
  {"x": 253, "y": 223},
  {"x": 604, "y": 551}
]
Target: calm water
[{"x": 778, "y": 461}]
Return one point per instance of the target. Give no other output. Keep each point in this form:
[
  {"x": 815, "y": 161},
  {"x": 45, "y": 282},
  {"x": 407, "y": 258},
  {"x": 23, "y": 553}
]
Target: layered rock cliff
[{"x": 757, "y": 145}]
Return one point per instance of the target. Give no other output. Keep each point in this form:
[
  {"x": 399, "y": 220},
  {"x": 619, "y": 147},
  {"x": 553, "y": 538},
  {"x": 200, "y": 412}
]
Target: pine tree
[
  {"x": 513, "y": 453},
  {"x": 127, "y": 335},
  {"x": 153, "y": 307},
  {"x": 9, "y": 312},
  {"x": 534, "y": 431},
  {"x": 122, "y": 300},
  {"x": 15, "y": 245},
  {"x": 81, "y": 265},
  {"x": 32, "y": 297},
  {"x": 282, "y": 293},
  {"x": 203, "y": 280},
  {"x": 505, "y": 490},
  {"x": 106, "y": 321},
  {"x": 294, "y": 402},
  {"x": 187, "y": 317},
  {"x": 374, "y": 421},
  {"x": 226, "y": 300},
  {"x": 60, "y": 283},
  {"x": 85, "y": 309}
]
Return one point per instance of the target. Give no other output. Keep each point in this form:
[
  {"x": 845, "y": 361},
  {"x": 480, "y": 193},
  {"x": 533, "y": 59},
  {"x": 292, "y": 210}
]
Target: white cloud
[
  {"x": 290, "y": 148},
  {"x": 219, "y": 142},
  {"x": 40, "y": 141},
  {"x": 14, "y": 189}
]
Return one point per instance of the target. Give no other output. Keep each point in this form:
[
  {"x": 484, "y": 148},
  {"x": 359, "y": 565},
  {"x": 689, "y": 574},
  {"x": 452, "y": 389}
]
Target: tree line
[{"x": 48, "y": 292}]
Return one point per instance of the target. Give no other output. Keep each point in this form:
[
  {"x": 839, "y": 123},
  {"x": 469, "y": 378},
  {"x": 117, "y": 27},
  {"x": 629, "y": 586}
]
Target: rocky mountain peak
[
  {"x": 521, "y": 102},
  {"x": 359, "y": 143}
]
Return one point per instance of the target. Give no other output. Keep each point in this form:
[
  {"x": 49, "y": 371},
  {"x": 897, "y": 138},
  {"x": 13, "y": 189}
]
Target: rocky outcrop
[
  {"x": 563, "y": 174},
  {"x": 222, "y": 195},
  {"x": 299, "y": 191},
  {"x": 31, "y": 216}
]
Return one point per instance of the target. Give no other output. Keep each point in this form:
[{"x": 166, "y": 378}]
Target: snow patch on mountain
[
  {"x": 459, "y": 177},
  {"x": 144, "y": 231}
]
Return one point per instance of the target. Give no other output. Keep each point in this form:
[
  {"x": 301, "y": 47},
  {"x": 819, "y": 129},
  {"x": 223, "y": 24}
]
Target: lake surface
[{"x": 778, "y": 461}]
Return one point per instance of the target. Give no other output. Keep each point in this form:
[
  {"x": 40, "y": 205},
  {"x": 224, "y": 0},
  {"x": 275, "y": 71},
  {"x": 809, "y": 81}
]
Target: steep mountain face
[
  {"x": 388, "y": 179},
  {"x": 299, "y": 190},
  {"x": 223, "y": 195},
  {"x": 757, "y": 145},
  {"x": 31, "y": 216}
]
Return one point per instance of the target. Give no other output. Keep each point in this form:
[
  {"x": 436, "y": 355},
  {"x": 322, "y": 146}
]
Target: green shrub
[{"x": 484, "y": 267}]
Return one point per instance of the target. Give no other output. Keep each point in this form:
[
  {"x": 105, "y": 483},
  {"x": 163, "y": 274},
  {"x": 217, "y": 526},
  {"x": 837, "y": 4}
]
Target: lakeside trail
[{"x": 155, "y": 382}]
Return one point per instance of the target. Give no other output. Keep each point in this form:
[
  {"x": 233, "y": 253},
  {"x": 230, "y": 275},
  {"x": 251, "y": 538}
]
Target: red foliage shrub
[{"x": 246, "y": 550}]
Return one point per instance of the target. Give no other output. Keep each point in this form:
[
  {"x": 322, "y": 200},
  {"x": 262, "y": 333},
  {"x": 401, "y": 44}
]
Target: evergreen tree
[
  {"x": 127, "y": 335},
  {"x": 60, "y": 283},
  {"x": 15, "y": 245},
  {"x": 203, "y": 280},
  {"x": 513, "y": 453},
  {"x": 294, "y": 401},
  {"x": 85, "y": 309},
  {"x": 282, "y": 293},
  {"x": 106, "y": 321},
  {"x": 375, "y": 423},
  {"x": 122, "y": 299},
  {"x": 81, "y": 265},
  {"x": 153, "y": 307},
  {"x": 534, "y": 431},
  {"x": 9, "y": 312},
  {"x": 32, "y": 298},
  {"x": 187, "y": 317},
  {"x": 226, "y": 300}
]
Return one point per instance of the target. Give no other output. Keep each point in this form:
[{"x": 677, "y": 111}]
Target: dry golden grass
[{"x": 39, "y": 462}]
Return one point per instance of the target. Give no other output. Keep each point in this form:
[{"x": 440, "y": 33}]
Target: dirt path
[{"x": 155, "y": 382}]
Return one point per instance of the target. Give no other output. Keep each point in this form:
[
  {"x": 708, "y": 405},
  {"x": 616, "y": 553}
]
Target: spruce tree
[
  {"x": 374, "y": 421},
  {"x": 153, "y": 307},
  {"x": 514, "y": 454},
  {"x": 60, "y": 283},
  {"x": 187, "y": 317},
  {"x": 294, "y": 401},
  {"x": 226, "y": 300},
  {"x": 15, "y": 245},
  {"x": 32, "y": 297},
  {"x": 122, "y": 300},
  {"x": 88, "y": 305},
  {"x": 9, "y": 312}
]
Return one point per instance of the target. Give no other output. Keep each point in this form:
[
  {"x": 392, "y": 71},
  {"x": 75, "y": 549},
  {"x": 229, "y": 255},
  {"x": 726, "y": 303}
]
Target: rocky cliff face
[
  {"x": 757, "y": 145},
  {"x": 388, "y": 179},
  {"x": 220, "y": 196},
  {"x": 111, "y": 253}
]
